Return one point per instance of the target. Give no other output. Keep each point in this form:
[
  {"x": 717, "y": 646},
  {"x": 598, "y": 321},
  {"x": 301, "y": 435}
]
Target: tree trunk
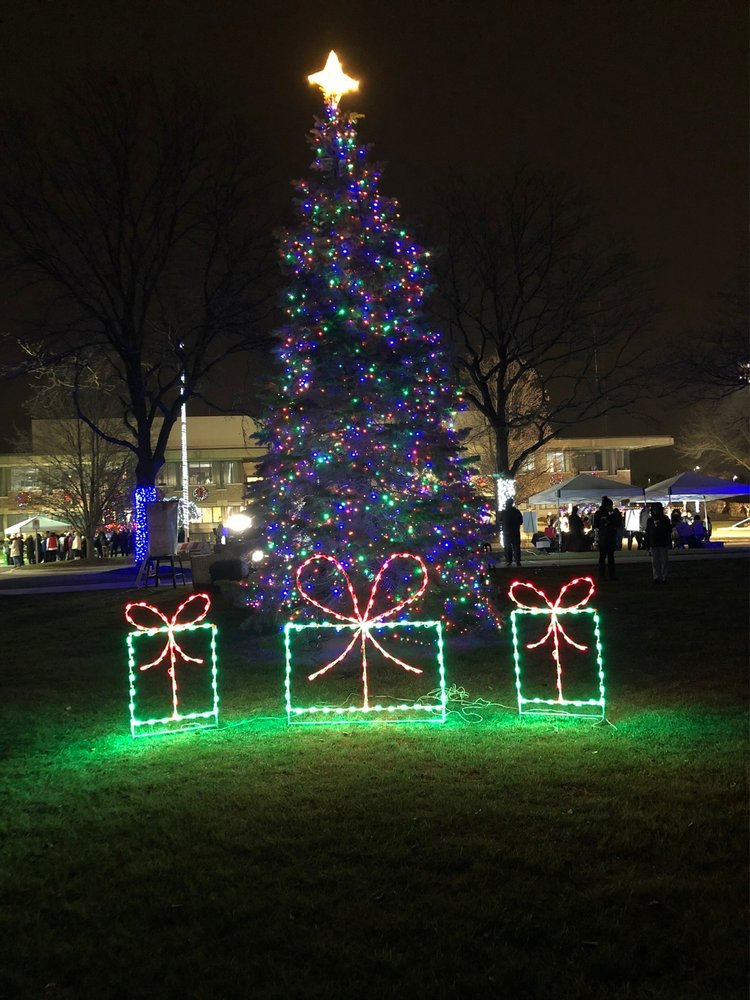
[
  {"x": 502, "y": 457},
  {"x": 148, "y": 464}
]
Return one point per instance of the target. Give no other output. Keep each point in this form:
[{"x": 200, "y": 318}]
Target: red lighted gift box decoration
[
  {"x": 172, "y": 689},
  {"x": 552, "y": 656},
  {"x": 306, "y": 697}
]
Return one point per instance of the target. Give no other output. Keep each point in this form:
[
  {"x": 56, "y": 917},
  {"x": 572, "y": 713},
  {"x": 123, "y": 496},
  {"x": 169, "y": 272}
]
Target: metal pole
[{"x": 185, "y": 470}]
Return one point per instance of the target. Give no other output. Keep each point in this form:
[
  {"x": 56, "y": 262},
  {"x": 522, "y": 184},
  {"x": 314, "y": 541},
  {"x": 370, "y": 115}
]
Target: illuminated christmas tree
[{"x": 363, "y": 458}]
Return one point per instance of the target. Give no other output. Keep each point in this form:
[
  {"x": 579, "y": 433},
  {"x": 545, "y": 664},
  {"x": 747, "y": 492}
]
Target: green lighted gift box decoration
[
  {"x": 308, "y": 692},
  {"x": 159, "y": 703},
  {"x": 579, "y": 688}
]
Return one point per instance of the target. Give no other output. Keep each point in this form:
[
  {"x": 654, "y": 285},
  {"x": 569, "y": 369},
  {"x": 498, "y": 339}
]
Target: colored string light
[
  {"x": 172, "y": 652},
  {"x": 362, "y": 624},
  {"x": 142, "y": 495},
  {"x": 362, "y": 447},
  {"x": 555, "y": 634}
]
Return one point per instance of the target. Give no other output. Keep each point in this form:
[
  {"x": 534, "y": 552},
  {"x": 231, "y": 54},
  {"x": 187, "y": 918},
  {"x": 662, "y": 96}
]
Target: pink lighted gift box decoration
[
  {"x": 172, "y": 668},
  {"x": 410, "y": 685}
]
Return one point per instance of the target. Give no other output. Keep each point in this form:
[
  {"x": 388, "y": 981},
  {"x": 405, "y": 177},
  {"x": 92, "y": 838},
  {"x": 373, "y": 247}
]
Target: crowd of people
[
  {"x": 580, "y": 532},
  {"x": 607, "y": 529},
  {"x": 52, "y": 546}
]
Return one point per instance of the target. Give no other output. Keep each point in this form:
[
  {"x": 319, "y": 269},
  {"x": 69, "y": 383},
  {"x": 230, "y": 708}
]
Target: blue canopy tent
[{"x": 694, "y": 487}]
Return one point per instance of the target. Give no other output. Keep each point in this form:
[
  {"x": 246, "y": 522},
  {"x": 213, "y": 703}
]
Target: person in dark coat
[
  {"x": 607, "y": 523},
  {"x": 575, "y": 531},
  {"x": 510, "y": 522},
  {"x": 659, "y": 541}
]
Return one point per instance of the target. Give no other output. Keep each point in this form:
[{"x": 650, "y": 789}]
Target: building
[
  {"x": 566, "y": 457},
  {"x": 221, "y": 458}
]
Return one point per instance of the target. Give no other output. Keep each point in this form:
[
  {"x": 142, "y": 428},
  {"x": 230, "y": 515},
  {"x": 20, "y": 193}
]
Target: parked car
[{"x": 739, "y": 532}]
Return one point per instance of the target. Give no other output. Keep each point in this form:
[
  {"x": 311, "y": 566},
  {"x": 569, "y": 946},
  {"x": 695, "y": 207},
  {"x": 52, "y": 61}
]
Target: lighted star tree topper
[
  {"x": 363, "y": 457},
  {"x": 333, "y": 81}
]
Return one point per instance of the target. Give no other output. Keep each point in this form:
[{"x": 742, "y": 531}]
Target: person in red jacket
[{"x": 51, "y": 549}]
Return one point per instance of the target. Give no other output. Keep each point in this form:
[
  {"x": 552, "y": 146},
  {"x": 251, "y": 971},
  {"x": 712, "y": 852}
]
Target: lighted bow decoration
[
  {"x": 554, "y": 629},
  {"x": 172, "y": 648},
  {"x": 362, "y": 620}
]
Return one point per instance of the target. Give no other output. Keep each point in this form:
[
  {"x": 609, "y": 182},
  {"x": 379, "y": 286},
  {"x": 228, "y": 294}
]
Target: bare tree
[
  {"x": 718, "y": 435},
  {"x": 545, "y": 315},
  {"x": 481, "y": 441},
  {"x": 83, "y": 477},
  {"x": 716, "y": 363},
  {"x": 133, "y": 221}
]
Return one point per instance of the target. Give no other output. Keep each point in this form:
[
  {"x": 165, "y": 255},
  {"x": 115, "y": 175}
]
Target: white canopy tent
[
  {"x": 587, "y": 488},
  {"x": 37, "y": 522}
]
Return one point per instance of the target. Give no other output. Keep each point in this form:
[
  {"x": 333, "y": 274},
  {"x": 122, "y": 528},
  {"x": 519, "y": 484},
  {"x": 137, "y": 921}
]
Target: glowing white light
[
  {"x": 258, "y": 556},
  {"x": 333, "y": 81},
  {"x": 505, "y": 489},
  {"x": 238, "y": 522}
]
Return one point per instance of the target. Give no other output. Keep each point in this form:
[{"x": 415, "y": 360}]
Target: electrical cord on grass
[
  {"x": 466, "y": 709},
  {"x": 459, "y": 696}
]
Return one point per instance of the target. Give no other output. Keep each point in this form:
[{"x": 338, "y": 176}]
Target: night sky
[{"x": 644, "y": 103}]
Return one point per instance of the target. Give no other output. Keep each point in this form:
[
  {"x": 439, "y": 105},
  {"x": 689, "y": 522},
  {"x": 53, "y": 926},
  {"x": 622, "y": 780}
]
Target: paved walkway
[
  {"x": 623, "y": 557},
  {"x": 51, "y": 578},
  {"x": 111, "y": 574}
]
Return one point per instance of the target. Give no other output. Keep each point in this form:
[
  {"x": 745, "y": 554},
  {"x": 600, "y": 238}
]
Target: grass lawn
[{"x": 495, "y": 857}]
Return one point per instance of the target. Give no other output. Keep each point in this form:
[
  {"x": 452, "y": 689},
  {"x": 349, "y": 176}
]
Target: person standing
[
  {"x": 635, "y": 526},
  {"x": 51, "y": 547},
  {"x": 607, "y": 522},
  {"x": 659, "y": 541},
  {"x": 619, "y": 527},
  {"x": 575, "y": 531},
  {"x": 510, "y": 521},
  {"x": 643, "y": 521},
  {"x": 15, "y": 551}
]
